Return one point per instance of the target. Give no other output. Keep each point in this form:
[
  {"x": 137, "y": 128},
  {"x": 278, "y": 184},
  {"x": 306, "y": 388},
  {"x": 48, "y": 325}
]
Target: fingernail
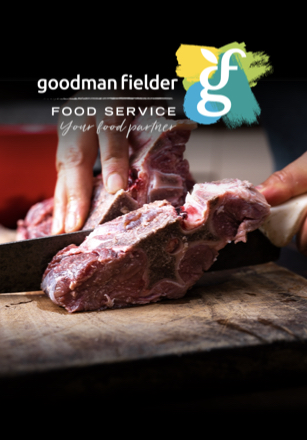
[
  {"x": 114, "y": 183},
  {"x": 259, "y": 187}
]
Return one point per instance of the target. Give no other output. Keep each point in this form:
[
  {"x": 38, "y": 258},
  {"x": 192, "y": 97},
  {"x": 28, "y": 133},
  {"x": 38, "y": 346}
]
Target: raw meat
[
  {"x": 157, "y": 251},
  {"x": 37, "y": 222},
  {"x": 157, "y": 168},
  {"x": 106, "y": 206},
  {"x": 157, "y": 171}
]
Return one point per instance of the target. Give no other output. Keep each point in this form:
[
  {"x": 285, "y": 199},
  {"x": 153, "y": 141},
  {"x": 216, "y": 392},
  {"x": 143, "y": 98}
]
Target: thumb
[{"x": 289, "y": 182}]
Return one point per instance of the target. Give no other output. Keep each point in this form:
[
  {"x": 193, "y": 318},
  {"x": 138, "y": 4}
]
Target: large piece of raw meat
[{"x": 157, "y": 251}]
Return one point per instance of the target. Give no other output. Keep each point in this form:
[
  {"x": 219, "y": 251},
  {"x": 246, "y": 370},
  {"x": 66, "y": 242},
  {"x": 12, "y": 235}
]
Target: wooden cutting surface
[{"x": 256, "y": 306}]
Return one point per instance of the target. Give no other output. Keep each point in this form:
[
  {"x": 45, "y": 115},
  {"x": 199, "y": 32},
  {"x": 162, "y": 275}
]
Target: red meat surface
[{"x": 155, "y": 252}]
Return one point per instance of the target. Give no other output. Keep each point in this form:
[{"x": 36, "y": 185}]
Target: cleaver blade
[{"x": 23, "y": 263}]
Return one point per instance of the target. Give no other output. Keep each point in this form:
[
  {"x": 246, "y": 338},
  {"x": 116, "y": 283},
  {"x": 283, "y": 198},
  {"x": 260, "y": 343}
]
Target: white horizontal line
[{"x": 113, "y": 98}]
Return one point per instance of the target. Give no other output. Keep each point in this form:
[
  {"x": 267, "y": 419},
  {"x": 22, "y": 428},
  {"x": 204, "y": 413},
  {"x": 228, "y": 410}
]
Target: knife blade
[{"x": 22, "y": 263}]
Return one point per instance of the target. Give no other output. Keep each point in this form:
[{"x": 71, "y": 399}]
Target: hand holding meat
[
  {"x": 80, "y": 139},
  {"x": 76, "y": 154},
  {"x": 285, "y": 184},
  {"x": 157, "y": 171}
]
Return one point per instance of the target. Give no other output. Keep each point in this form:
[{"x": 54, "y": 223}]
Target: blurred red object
[{"x": 27, "y": 169}]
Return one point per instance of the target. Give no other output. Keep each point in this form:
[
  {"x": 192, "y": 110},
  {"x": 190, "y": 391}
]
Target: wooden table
[{"x": 236, "y": 330}]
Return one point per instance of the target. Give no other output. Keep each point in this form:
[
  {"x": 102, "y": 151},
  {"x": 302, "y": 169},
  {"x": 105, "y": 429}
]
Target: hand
[
  {"x": 282, "y": 185},
  {"x": 76, "y": 154},
  {"x": 77, "y": 151}
]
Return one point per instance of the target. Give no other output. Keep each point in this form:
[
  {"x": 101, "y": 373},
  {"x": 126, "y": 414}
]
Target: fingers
[
  {"x": 76, "y": 155},
  {"x": 114, "y": 143},
  {"x": 286, "y": 183},
  {"x": 301, "y": 238},
  {"x": 59, "y": 208},
  {"x": 114, "y": 152},
  {"x": 282, "y": 185},
  {"x": 72, "y": 199}
]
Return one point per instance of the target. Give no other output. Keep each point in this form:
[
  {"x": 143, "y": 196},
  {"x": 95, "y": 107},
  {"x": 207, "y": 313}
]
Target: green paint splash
[{"x": 255, "y": 65}]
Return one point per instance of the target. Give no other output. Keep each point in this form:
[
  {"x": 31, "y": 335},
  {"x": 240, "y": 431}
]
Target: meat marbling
[{"x": 157, "y": 251}]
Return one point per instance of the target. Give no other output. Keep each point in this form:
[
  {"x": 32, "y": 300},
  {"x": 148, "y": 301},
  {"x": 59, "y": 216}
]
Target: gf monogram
[{"x": 204, "y": 81}]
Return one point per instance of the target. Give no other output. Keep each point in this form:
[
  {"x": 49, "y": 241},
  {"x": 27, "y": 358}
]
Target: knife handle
[{"x": 284, "y": 220}]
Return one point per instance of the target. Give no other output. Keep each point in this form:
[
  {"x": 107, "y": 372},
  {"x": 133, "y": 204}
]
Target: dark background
[{"x": 24, "y": 64}]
